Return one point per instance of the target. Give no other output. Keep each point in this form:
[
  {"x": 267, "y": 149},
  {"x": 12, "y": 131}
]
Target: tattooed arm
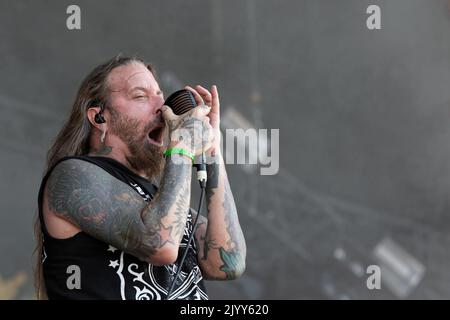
[
  {"x": 219, "y": 238},
  {"x": 111, "y": 211},
  {"x": 220, "y": 241}
]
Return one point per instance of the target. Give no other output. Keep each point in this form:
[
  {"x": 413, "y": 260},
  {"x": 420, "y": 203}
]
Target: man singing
[{"x": 114, "y": 216}]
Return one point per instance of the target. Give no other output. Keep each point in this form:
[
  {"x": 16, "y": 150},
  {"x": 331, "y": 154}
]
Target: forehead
[{"x": 132, "y": 75}]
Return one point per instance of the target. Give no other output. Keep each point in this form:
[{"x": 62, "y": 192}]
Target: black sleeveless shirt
[{"x": 104, "y": 272}]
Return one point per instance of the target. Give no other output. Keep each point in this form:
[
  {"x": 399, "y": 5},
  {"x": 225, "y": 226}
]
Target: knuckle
[{"x": 196, "y": 112}]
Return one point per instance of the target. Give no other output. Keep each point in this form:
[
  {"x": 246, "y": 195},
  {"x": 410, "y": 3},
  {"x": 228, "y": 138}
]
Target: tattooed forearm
[
  {"x": 113, "y": 212},
  {"x": 227, "y": 204},
  {"x": 213, "y": 176},
  {"x": 173, "y": 196},
  {"x": 222, "y": 242},
  {"x": 182, "y": 207},
  {"x": 234, "y": 230},
  {"x": 212, "y": 182}
]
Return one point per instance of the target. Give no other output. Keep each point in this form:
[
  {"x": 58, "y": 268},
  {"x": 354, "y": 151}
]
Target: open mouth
[{"x": 156, "y": 135}]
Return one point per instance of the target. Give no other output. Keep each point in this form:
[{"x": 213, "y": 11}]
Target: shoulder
[
  {"x": 74, "y": 165},
  {"x": 66, "y": 181},
  {"x": 82, "y": 181},
  {"x": 75, "y": 177},
  {"x": 75, "y": 172}
]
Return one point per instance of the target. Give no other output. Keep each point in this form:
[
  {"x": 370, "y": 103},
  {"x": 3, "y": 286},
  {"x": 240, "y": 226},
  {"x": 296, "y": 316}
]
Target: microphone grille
[{"x": 181, "y": 101}]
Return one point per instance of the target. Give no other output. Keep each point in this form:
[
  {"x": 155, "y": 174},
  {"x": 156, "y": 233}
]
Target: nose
[
  {"x": 159, "y": 103},
  {"x": 158, "y": 111}
]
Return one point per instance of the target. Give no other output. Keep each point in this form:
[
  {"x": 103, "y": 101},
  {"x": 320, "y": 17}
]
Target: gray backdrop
[{"x": 363, "y": 115}]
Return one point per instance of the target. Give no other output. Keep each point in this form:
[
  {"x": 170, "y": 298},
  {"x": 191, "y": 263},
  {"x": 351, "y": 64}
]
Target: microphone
[{"x": 180, "y": 102}]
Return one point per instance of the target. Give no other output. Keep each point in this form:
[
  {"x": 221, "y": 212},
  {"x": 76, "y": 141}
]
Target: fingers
[
  {"x": 206, "y": 95},
  {"x": 201, "y": 111},
  {"x": 198, "y": 98},
  {"x": 215, "y": 99},
  {"x": 203, "y": 96},
  {"x": 168, "y": 114}
]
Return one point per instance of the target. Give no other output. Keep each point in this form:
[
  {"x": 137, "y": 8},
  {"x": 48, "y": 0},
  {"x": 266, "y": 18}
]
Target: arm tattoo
[
  {"x": 190, "y": 130},
  {"x": 203, "y": 244},
  {"x": 230, "y": 263},
  {"x": 212, "y": 182},
  {"x": 231, "y": 250},
  {"x": 181, "y": 212},
  {"x": 174, "y": 192},
  {"x": 232, "y": 256},
  {"x": 110, "y": 210},
  {"x": 208, "y": 245},
  {"x": 213, "y": 176}
]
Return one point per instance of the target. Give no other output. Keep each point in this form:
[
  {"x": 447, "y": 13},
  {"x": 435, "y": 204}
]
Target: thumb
[{"x": 167, "y": 113}]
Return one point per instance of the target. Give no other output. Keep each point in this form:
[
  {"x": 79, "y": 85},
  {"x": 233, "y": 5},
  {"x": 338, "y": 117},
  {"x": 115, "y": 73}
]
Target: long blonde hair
[{"x": 73, "y": 138}]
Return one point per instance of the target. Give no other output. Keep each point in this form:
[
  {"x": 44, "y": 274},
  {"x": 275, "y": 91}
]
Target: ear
[{"x": 91, "y": 112}]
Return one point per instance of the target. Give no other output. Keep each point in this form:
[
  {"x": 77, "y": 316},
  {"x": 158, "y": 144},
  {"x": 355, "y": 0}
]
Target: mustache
[{"x": 157, "y": 122}]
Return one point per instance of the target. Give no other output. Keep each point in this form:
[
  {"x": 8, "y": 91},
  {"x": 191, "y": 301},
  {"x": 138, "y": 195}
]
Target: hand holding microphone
[{"x": 189, "y": 129}]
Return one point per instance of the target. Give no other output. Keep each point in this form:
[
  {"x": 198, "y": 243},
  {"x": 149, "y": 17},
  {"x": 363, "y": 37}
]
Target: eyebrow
[{"x": 143, "y": 89}]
